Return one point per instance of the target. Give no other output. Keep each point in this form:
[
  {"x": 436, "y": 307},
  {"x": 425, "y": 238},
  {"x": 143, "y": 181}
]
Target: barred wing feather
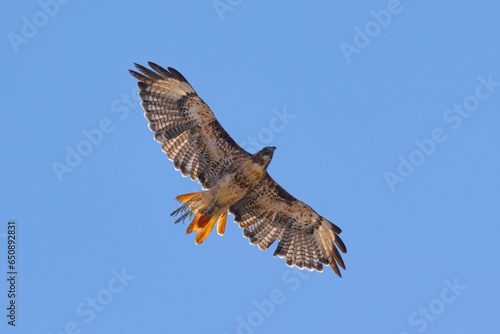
[
  {"x": 189, "y": 133},
  {"x": 307, "y": 240}
]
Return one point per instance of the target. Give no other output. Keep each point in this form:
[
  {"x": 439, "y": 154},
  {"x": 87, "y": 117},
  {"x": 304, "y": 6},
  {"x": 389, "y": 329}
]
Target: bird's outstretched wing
[
  {"x": 307, "y": 240},
  {"x": 185, "y": 126}
]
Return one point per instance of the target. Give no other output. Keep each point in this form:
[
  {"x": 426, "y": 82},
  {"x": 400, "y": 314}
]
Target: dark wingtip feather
[
  {"x": 160, "y": 74},
  {"x": 335, "y": 228},
  {"x": 177, "y": 74},
  {"x": 135, "y": 74},
  {"x": 338, "y": 258},
  {"x": 139, "y": 66},
  {"x": 335, "y": 268},
  {"x": 140, "y": 77},
  {"x": 151, "y": 74},
  {"x": 153, "y": 65},
  {"x": 340, "y": 244},
  {"x": 160, "y": 70}
]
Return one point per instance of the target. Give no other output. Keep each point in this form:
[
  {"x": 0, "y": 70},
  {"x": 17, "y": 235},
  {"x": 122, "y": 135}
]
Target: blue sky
[{"x": 386, "y": 118}]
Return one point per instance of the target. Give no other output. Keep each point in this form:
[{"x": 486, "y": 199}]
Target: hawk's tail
[{"x": 204, "y": 216}]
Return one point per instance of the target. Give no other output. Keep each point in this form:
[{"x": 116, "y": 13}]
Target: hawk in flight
[{"x": 233, "y": 180}]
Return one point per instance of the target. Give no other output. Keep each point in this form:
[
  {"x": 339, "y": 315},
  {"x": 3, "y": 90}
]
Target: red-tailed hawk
[{"x": 234, "y": 180}]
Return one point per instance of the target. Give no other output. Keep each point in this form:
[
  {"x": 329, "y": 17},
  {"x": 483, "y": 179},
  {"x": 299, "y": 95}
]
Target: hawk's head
[{"x": 264, "y": 156}]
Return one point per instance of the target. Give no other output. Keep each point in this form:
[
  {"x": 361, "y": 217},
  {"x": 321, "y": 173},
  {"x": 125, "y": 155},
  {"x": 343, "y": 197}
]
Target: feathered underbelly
[{"x": 234, "y": 186}]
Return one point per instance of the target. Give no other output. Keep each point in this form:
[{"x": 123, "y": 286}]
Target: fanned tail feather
[
  {"x": 205, "y": 230},
  {"x": 187, "y": 197},
  {"x": 202, "y": 223},
  {"x": 221, "y": 226}
]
